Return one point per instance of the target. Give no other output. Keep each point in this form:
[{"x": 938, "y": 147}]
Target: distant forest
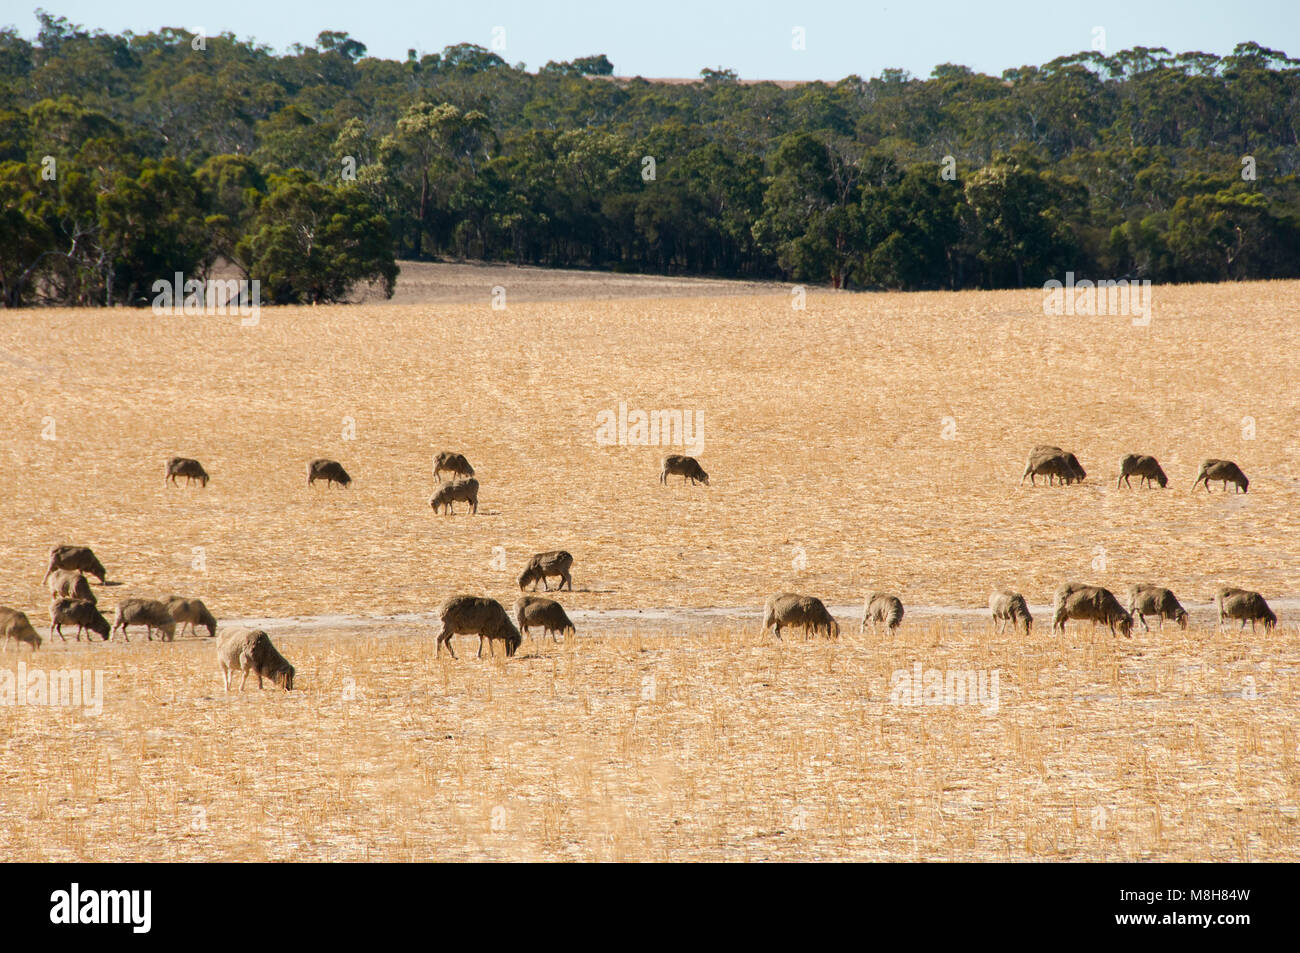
[{"x": 125, "y": 159}]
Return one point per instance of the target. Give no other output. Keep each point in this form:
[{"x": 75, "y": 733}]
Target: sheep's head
[
  {"x": 1162, "y": 479},
  {"x": 99, "y": 624},
  {"x": 1181, "y": 618},
  {"x": 1126, "y": 625},
  {"x": 284, "y": 677}
]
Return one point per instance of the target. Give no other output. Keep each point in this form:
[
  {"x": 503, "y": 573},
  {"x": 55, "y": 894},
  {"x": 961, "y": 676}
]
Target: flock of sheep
[
  {"x": 249, "y": 651},
  {"x": 1072, "y": 600},
  {"x": 1057, "y": 464}
]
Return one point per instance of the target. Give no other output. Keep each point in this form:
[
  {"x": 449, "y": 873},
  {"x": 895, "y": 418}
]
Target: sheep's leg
[
  {"x": 225, "y": 677},
  {"x": 480, "y": 646},
  {"x": 555, "y": 638},
  {"x": 546, "y": 584},
  {"x": 567, "y": 580},
  {"x": 243, "y": 681}
]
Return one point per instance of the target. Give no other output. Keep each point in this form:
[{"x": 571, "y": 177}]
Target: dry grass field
[{"x": 826, "y": 436}]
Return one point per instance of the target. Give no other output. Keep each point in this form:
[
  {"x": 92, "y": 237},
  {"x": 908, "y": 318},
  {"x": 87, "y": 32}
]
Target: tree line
[{"x": 127, "y": 158}]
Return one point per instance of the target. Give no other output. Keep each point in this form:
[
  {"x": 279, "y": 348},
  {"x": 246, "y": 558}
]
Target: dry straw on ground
[{"x": 824, "y": 436}]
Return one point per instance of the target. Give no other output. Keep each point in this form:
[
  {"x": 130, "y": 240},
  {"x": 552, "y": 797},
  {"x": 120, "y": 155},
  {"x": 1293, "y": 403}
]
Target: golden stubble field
[{"x": 824, "y": 434}]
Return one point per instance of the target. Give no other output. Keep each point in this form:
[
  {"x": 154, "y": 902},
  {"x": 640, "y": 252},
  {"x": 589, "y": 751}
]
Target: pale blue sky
[{"x": 665, "y": 38}]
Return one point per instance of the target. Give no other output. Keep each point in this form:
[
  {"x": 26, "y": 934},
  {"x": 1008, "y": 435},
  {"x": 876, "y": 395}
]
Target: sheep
[
  {"x": 192, "y": 612},
  {"x": 75, "y": 557},
  {"x": 16, "y": 626},
  {"x": 331, "y": 471},
  {"x": 881, "y": 607},
  {"x": 472, "y": 615},
  {"x": 1053, "y": 463},
  {"x": 547, "y": 614},
  {"x": 1096, "y": 604},
  {"x": 1225, "y": 471},
  {"x": 150, "y": 613},
  {"x": 82, "y": 613},
  {"x": 70, "y": 584},
  {"x": 250, "y": 650},
  {"x": 790, "y": 608},
  {"x": 1008, "y": 606},
  {"x": 1244, "y": 605},
  {"x": 452, "y": 463},
  {"x": 190, "y": 469},
  {"x": 1141, "y": 465},
  {"x": 448, "y": 493},
  {"x": 557, "y": 562},
  {"x": 687, "y": 467},
  {"x": 1144, "y": 600}
]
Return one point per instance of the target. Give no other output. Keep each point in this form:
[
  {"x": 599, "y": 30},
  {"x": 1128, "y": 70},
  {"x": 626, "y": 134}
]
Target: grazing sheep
[
  {"x": 452, "y": 463},
  {"x": 790, "y": 608},
  {"x": 1244, "y": 605},
  {"x": 192, "y": 612},
  {"x": 463, "y": 490},
  {"x": 472, "y": 615},
  {"x": 149, "y": 613},
  {"x": 881, "y": 607},
  {"x": 15, "y": 625},
  {"x": 250, "y": 650},
  {"x": 70, "y": 584},
  {"x": 75, "y": 557},
  {"x": 1144, "y": 600},
  {"x": 82, "y": 613},
  {"x": 539, "y": 612},
  {"x": 190, "y": 469},
  {"x": 1224, "y": 471},
  {"x": 1053, "y": 463},
  {"x": 1141, "y": 465},
  {"x": 1096, "y": 604},
  {"x": 1008, "y": 606},
  {"x": 555, "y": 563},
  {"x": 331, "y": 471},
  {"x": 688, "y": 468}
]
